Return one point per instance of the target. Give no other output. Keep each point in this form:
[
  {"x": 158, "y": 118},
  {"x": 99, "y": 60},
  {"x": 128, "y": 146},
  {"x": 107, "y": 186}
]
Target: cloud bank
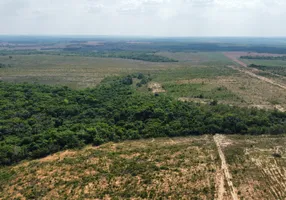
[{"x": 144, "y": 17}]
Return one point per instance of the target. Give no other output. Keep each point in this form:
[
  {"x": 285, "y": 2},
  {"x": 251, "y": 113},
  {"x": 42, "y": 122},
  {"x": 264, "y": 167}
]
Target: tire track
[{"x": 218, "y": 140}]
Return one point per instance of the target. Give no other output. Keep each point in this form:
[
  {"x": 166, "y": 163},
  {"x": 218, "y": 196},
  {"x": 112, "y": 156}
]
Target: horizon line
[{"x": 132, "y": 36}]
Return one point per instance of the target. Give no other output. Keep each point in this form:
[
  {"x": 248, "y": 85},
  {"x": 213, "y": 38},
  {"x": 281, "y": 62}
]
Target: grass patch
[{"x": 202, "y": 91}]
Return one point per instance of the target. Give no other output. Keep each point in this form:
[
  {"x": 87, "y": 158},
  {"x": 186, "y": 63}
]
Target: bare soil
[{"x": 156, "y": 87}]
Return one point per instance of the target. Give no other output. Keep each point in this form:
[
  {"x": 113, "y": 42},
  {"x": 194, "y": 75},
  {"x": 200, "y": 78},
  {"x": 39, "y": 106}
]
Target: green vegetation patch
[
  {"x": 200, "y": 90},
  {"x": 280, "y": 70},
  {"x": 37, "y": 120}
]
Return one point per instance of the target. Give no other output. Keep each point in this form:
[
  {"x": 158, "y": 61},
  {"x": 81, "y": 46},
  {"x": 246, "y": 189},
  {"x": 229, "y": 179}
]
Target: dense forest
[
  {"x": 37, "y": 120},
  {"x": 133, "y": 55}
]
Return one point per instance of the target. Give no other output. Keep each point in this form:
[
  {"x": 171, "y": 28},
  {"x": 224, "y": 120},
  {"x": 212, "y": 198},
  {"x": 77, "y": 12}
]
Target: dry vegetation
[
  {"x": 204, "y": 167},
  {"x": 177, "y": 168},
  {"x": 257, "y": 165}
]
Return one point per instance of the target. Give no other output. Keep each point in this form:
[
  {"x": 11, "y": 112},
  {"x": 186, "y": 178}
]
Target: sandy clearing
[
  {"x": 156, "y": 87},
  {"x": 280, "y": 108},
  {"x": 219, "y": 141}
]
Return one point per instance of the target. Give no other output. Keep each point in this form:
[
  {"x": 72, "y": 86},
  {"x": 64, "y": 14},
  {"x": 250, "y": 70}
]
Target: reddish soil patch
[{"x": 234, "y": 57}]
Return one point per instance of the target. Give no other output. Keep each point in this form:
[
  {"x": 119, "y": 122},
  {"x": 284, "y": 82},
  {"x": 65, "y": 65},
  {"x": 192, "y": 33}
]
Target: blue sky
[{"x": 260, "y": 18}]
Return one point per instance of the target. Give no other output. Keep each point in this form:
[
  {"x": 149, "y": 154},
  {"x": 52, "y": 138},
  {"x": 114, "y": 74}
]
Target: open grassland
[
  {"x": 177, "y": 168},
  {"x": 198, "y": 57},
  {"x": 257, "y": 165},
  {"x": 73, "y": 71}
]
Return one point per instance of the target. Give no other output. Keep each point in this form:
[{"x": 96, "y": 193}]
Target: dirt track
[
  {"x": 258, "y": 77},
  {"x": 235, "y": 59},
  {"x": 218, "y": 140}
]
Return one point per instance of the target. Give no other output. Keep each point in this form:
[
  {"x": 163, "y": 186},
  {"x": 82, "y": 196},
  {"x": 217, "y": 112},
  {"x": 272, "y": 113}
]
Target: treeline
[
  {"x": 280, "y": 70},
  {"x": 37, "y": 120},
  {"x": 133, "y": 55},
  {"x": 144, "y": 56},
  {"x": 264, "y": 57}
]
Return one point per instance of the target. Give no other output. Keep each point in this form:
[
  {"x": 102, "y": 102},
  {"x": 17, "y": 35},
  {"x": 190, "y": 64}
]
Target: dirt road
[
  {"x": 258, "y": 77},
  {"x": 235, "y": 59},
  {"x": 219, "y": 140},
  {"x": 246, "y": 71}
]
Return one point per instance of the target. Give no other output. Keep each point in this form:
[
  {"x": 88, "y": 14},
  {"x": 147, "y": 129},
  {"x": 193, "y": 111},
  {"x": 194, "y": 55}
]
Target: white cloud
[{"x": 144, "y": 17}]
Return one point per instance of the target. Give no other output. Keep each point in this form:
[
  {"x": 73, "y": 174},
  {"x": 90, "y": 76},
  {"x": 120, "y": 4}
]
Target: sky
[{"x": 168, "y": 18}]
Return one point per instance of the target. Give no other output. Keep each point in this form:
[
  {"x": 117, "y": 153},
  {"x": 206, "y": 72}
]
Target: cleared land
[
  {"x": 257, "y": 165},
  {"x": 177, "y": 168},
  {"x": 204, "y": 167}
]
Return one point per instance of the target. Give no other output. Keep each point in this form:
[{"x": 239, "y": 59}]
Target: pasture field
[{"x": 73, "y": 71}]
